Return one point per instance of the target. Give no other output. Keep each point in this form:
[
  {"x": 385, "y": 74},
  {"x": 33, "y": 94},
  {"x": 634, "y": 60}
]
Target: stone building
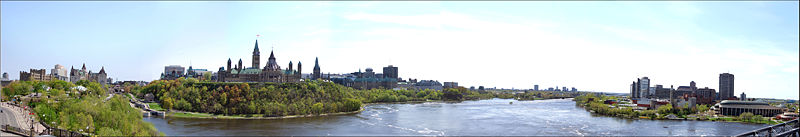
[
  {"x": 450, "y": 84},
  {"x": 430, "y": 84},
  {"x": 317, "y": 74},
  {"x": 34, "y": 74},
  {"x": 272, "y": 72},
  {"x": 172, "y": 72},
  {"x": 76, "y": 75}
]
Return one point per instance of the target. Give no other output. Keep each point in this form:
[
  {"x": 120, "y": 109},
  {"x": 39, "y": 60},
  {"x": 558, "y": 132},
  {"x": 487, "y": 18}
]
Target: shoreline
[
  {"x": 212, "y": 116},
  {"x": 680, "y": 119}
]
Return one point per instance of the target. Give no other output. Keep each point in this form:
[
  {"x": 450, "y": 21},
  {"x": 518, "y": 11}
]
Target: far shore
[{"x": 184, "y": 114}]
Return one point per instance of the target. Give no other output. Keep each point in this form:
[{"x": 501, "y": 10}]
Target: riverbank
[
  {"x": 183, "y": 114},
  {"x": 595, "y": 106}
]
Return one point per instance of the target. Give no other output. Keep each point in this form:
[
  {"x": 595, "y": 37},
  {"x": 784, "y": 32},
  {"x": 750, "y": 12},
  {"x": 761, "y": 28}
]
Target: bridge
[{"x": 787, "y": 129}]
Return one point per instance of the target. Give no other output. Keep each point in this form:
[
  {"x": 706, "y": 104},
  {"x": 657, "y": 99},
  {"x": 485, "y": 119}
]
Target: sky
[{"x": 592, "y": 46}]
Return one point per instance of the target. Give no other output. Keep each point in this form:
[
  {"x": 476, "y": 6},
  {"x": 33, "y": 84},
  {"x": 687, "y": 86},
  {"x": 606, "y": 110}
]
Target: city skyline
[{"x": 498, "y": 44}]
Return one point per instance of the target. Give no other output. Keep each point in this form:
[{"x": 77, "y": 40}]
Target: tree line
[{"x": 282, "y": 99}]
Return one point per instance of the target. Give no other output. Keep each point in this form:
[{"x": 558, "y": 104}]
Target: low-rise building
[
  {"x": 428, "y": 84},
  {"x": 450, "y": 84},
  {"x": 736, "y": 108}
]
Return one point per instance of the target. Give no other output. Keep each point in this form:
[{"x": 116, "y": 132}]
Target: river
[{"x": 557, "y": 117}]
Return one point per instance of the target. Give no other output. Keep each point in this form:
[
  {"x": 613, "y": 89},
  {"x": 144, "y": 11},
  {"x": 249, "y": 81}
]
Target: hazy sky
[{"x": 599, "y": 46}]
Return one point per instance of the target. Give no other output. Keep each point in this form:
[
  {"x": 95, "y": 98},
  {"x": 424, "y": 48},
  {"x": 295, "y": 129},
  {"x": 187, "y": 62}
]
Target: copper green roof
[{"x": 251, "y": 71}]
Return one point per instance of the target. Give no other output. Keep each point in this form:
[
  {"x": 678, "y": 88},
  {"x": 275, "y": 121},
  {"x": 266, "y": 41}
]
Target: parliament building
[{"x": 272, "y": 72}]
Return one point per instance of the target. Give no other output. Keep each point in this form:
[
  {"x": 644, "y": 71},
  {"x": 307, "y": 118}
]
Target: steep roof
[{"x": 256, "y": 51}]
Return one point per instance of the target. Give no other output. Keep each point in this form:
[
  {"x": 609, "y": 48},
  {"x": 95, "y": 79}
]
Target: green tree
[
  {"x": 317, "y": 108},
  {"x": 664, "y": 109}
]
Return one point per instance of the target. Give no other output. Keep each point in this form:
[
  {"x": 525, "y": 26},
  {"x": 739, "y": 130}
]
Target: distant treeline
[{"x": 282, "y": 99}]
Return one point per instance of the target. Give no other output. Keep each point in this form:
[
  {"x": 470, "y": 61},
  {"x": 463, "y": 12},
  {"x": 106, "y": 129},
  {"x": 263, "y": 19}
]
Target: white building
[{"x": 60, "y": 73}]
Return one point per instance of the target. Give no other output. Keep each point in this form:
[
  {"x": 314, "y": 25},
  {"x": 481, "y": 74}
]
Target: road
[
  {"x": 8, "y": 117},
  {"x": 17, "y": 117}
]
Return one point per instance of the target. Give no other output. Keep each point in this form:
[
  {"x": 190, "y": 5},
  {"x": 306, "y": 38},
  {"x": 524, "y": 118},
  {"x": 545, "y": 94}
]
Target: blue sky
[{"x": 599, "y": 46}]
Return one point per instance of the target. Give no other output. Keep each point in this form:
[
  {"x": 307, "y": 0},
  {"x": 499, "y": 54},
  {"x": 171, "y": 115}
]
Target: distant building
[
  {"x": 317, "y": 73},
  {"x": 76, "y": 75},
  {"x": 480, "y": 88},
  {"x": 644, "y": 87},
  {"x": 471, "y": 88},
  {"x": 564, "y": 89},
  {"x": 370, "y": 79},
  {"x": 706, "y": 95},
  {"x": 736, "y": 108},
  {"x": 390, "y": 72},
  {"x": 574, "y": 89},
  {"x": 59, "y": 72},
  {"x": 5, "y": 76},
  {"x": 536, "y": 87},
  {"x": 34, "y": 74},
  {"x": 634, "y": 90},
  {"x": 661, "y": 92},
  {"x": 450, "y": 84},
  {"x": 429, "y": 84},
  {"x": 172, "y": 72},
  {"x": 726, "y": 86},
  {"x": 743, "y": 97},
  {"x": 4, "y": 80},
  {"x": 272, "y": 72}
]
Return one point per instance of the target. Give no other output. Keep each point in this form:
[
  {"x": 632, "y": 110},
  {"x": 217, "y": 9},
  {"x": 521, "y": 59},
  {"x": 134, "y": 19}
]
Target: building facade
[
  {"x": 172, "y": 72},
  {"x": 367, "y": 80},
  {"x": 59, "y": 72},
  {"x": 450, "y": 84},
  {"x": 736, "y": 108},
  {"x": 34, "y": 74}
]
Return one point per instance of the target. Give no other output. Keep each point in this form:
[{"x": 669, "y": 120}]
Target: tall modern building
[
  {"x": 634, "y": 92},
  {"x": 536, "y": 87},
  {"x": 644, "y": 87},
  {"x": 390, "y": 72},
  {"x": 725, "y": 86}
]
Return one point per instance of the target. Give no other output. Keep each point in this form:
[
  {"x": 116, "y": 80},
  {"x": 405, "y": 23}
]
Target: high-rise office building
[
  {"x": 390, "y": 72},
  {"x": 725, "y": 86}
]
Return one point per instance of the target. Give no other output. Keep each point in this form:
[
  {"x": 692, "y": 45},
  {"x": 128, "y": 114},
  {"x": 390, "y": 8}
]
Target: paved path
[
  {"x": 8, "y": 117},
  {"x": 18, "y": 117}
]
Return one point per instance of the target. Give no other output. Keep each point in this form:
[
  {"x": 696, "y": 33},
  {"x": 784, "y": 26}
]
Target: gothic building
[
  {"x": 272, "y": 72},
  {"x": 76, "y": 75},
  {"x": 317, "y": 74}
]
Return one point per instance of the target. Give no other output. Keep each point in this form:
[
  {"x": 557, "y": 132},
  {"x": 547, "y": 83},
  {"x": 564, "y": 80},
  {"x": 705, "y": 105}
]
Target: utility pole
[{"x": 32, "y": 129}]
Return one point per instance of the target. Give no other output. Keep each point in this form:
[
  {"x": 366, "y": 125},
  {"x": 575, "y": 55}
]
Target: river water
[{"x": 557, "y": 117}]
